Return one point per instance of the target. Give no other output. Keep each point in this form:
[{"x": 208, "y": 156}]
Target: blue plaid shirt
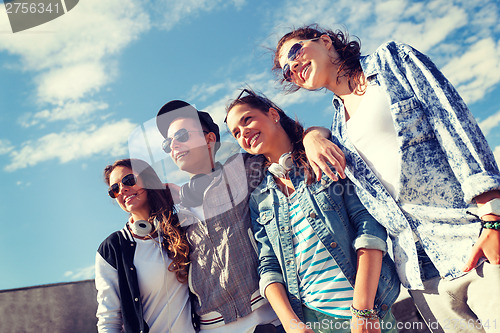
[{"x": 445, "y": 163}]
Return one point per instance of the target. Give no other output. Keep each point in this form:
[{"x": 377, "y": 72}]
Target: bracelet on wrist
[
  {"x": 491, "y": 225},
  {"x": 364, "y": 314}
]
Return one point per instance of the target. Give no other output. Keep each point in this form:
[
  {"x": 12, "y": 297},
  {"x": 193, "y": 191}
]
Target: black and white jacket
[{"x": 118, "y": 252}]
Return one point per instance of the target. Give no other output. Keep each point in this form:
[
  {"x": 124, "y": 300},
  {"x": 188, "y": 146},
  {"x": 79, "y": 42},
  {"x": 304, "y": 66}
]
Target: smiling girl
[
  {"x": 420, "y": 164},
  {"x": 321, "y": 254},
  {"x": 141, "y": 270}
]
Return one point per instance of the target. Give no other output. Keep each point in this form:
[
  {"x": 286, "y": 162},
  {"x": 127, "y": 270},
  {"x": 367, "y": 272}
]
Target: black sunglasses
[
  {"x": 245, "y": 93},
  {"x": 181, "y": 135},
  {"x": 128, "y": 180},
  {"x": 295, "y": 51},
  {"x": 263, "y": 99}
]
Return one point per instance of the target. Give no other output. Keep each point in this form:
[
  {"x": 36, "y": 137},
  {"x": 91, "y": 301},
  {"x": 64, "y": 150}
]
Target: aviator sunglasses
[
  {"x": 181, "y": 135},
  {"x": 128, "y": 180},
  {"x": 295, "y": 51}
]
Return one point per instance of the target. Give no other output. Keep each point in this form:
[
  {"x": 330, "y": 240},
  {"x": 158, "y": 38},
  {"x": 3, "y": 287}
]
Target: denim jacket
[
  {"x": 339, "y": 219},
  {"x": 445, "y": 162}
]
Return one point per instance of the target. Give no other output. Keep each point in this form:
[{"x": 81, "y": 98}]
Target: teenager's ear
[
  {"x": 210, "y": 137},
  {"x": 326, "y": 41},
  {"x": 274, "y": 114}
]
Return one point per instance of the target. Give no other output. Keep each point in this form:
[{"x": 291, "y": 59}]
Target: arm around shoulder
[{"x": 320, "y": 151}]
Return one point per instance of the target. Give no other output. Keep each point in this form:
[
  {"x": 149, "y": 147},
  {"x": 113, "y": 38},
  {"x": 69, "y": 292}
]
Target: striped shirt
[{"x": 322, "y": 285}]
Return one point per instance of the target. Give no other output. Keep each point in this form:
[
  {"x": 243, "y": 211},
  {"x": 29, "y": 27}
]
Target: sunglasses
[
  {"x": 295, "y": 51},
  {"x": 128, "y": 180},
  {"x": 246, "y": 92},
  {"x": 181, "y": 135},
  {"x": 265, "y": 103}
]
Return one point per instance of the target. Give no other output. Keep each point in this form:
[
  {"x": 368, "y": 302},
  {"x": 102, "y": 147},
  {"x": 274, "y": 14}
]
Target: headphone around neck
[
  {"x": 142, "y": 228},
  {"x": 284, "y": 165}
]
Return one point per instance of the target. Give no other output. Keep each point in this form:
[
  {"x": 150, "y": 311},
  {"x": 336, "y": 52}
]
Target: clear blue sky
[{"x": 73, "y": 90}]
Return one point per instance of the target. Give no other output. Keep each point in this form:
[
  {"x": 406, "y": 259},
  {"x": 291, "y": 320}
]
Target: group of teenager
[{"x": 312, "y": 230}]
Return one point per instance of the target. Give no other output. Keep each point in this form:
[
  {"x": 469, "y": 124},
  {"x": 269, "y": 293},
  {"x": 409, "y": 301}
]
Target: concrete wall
[
  {"x": 57, "y": 308},
  {"x": 70, "y": 308}
]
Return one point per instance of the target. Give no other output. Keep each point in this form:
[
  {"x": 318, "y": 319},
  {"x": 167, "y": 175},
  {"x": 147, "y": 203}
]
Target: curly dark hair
[
  {"x": 348, "y": 51},
  {"x": 293, "y": 128},
  {"x": 162, "y": 209}
]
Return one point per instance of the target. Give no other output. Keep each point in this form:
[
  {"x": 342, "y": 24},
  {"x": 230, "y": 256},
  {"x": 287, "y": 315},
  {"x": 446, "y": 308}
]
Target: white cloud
[
  {"x": 92, "y": 30},
  {"x": 5, "y": 147},
  {"x": 71, "y": 59},
  {"x": 84, "y": 273},
  {"x": 21, "y": 184},
  {"x": 422, "y": 24},
  {"x": 204, "y": 91},
  {"x": 75, "y": 111},
  {"x": 489, "y": 123},
  {"x": 70, "y": 55},
  {"x": 434, "y": 29},
  {"x": 72, "y": 82},
  {"x": 109, "y": 139},
  {"x": 477, "y": 70}
]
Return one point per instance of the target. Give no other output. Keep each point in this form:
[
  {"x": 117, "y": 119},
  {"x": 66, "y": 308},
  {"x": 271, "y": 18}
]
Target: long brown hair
[
  {"x": 348, "y": 51},
  {"x": 162, "y": 209},
  {"x": 293, "y": 128}
]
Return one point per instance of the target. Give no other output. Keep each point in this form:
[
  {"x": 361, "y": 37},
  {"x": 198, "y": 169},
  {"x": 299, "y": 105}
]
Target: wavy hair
[
  {"x": 348, "y": 51},
  {"x": 162, "y": 209},
  {"x": 293, "y": 128}
]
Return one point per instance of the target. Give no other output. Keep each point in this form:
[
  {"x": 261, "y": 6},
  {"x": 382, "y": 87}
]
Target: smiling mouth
[
  {"x": 130, "y": 197},
  {"x": 181, "y": 154},
  {"x": 253, "y": 139},
  {"x": 304, "y": 72}
]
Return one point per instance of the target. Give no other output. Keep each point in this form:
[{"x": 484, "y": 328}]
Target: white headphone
[
  {"x": 284, "y": 165},
  {"x": 141, "y": 228}
]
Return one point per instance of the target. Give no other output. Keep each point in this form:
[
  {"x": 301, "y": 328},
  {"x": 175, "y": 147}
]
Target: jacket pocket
[
  {"x": 411, "y": 124},
  {"x": 264, "y": 219},
  {"x": 328, "y": 194},
  {"x": 265, "y": 216}
]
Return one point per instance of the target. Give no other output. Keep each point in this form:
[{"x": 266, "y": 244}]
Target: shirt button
[
  {"x": 131, "y": 244},
  {"x": 384, "y": 307},
  {"x": 131, "y": 268},
  {"x": 333, "y": 245},
  {"x": 136, "y": 299},
  {"x": 312, "y": 215}
]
